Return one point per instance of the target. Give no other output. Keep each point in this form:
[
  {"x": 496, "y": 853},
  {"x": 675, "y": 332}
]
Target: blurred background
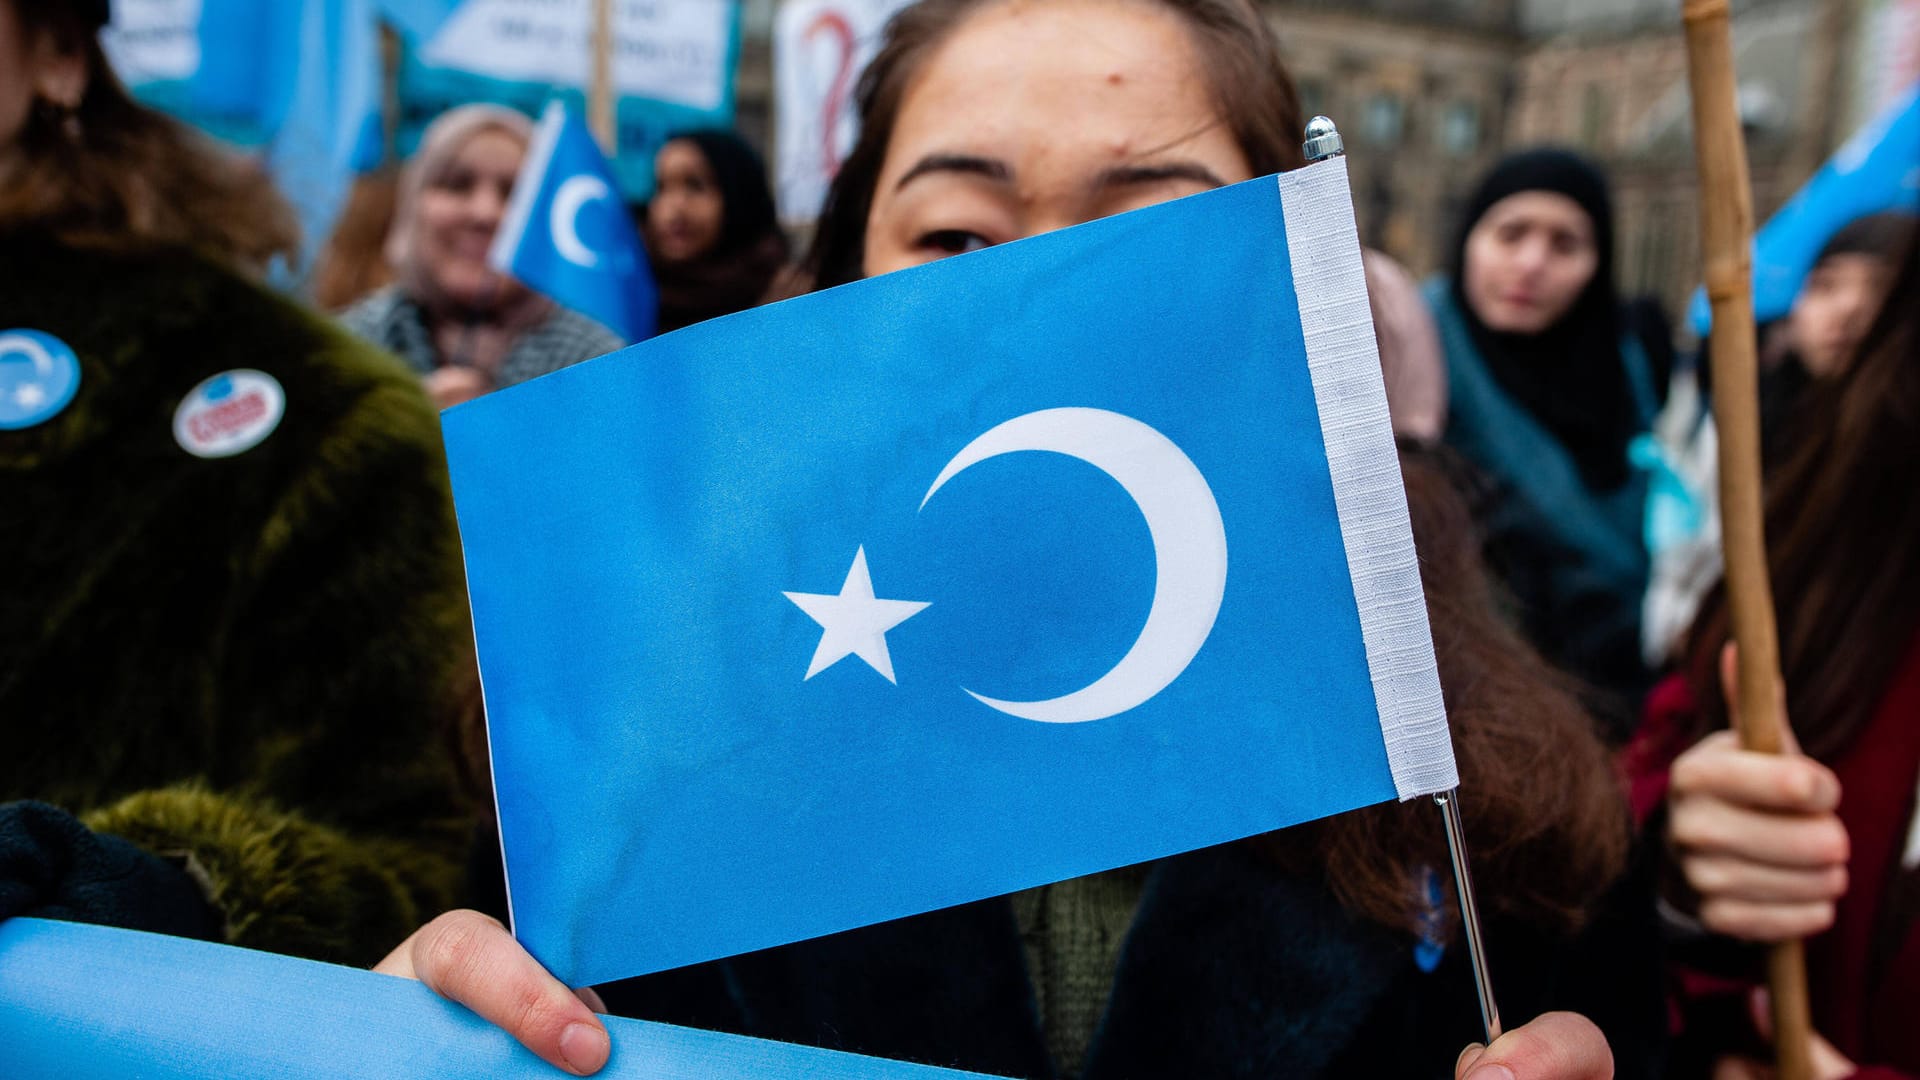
[{"x": 1428, "y": 92}]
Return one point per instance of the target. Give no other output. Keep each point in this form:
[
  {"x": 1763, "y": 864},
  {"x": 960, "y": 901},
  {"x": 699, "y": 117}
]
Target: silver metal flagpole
[
  {"x": 1324, "y": 142},
  {"x": 1469, "y": 911}
]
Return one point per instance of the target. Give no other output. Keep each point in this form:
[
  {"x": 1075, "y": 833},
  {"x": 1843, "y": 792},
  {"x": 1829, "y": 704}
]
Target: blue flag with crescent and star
[
  {"x": 1029, "y": 563},
  {"x": 568, "y": 235}
]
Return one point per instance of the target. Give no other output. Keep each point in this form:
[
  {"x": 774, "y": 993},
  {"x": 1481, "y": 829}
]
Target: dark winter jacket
[
  {"x": 1231, "y": 970},
  {"x": 1574, "y": 559},
  {"x": 239, "y": 662}
]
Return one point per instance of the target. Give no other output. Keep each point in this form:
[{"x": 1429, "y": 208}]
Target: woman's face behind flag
[
  {"x": 1032, "y": 117},
  {"x": 1528, "y": 259},
  {"x": 460, "y": 210}
]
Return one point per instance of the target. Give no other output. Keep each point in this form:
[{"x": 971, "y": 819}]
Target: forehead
[
  {"x": 1540, "y": 209},
  {"x": 1851, "y": 263},
  {"x": 1120, "y": 76},
  {"x": 681, "y": 154},
  {"x": 489, "y": 148}
]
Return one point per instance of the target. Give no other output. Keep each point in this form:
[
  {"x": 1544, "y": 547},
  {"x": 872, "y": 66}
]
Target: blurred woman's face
[
  {"x": 684, "y": 218},
  {"x": 1528, "y": 259},
  {"x": 30, "y": 68},
  {"x": 1038, "y": 114},
  {"x": 460, "y": 210},
  {"x": 1830, "y": 316}
]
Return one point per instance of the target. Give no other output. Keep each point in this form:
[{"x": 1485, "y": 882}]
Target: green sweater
[{"x": 247, "y": 660}]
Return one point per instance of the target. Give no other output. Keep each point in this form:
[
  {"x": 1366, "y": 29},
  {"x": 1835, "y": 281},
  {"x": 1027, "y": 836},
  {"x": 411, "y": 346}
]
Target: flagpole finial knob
[{"x": 1323, "y": 140}]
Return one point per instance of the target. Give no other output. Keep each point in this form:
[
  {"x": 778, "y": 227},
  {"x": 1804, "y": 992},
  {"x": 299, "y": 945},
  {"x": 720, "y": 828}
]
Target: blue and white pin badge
[
  {"x": 39, "y": 374},
  {"x": 229, "y": 414}
]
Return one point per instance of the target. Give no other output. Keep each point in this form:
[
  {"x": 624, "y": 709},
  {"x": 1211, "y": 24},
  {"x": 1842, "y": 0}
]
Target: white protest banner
[
  {"x": 820, "y": 47},
  {"x": 1886, "y": 56},
  {"x": 153, "y": 40},
  {"x": 672, "y": 68},
  {"x": 674, "y": 51}
]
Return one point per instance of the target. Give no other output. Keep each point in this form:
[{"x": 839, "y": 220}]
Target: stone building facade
[
  {"x": 1430, "y": 93},
  {"x": 1609, "y": 77},
  {"x": 1421, "y": 91}
]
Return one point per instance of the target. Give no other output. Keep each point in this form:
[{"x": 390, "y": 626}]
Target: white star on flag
[{"x": 853, "y": 623}]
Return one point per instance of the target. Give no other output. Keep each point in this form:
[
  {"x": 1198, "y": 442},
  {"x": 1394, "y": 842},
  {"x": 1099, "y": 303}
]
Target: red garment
[{"x": 1877, "y": 1026}]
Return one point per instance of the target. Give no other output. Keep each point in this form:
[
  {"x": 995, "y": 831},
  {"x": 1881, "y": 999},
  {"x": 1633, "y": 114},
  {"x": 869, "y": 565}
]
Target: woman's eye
[{"x": 953, "y": 241}]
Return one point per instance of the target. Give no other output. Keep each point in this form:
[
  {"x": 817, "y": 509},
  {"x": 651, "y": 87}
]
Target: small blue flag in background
[
  {"x": 567, "y": 233},
  {"x": 417, "y": 20},
  {"x": 1026, "y": 564},
  {"x": 1878, "y": 169},
  {"x": 330, "y": 52}
]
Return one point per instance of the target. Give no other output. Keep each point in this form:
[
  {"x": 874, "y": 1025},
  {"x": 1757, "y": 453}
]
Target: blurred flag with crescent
[
  {"x": 567, "y": 233},
  {"x": 1877, "y": 169},
  {"x": 1028, "y": 563}
]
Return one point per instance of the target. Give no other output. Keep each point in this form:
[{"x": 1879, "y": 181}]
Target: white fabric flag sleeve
[{"x": 1344, "y": 362}]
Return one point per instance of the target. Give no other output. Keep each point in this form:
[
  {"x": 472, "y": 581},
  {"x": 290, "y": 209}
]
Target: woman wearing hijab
[
  {"x": 231, "y": 606},
  {"x": 1548, "y": 385},
  {"x": 710, "y": 229},
  {"x": 463, "y": 326}
]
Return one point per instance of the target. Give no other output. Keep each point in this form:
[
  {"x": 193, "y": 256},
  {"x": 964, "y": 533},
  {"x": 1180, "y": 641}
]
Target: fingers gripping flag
[
  {"x": 1029, "y": 563},
  {"x": 567, "y": 234}
]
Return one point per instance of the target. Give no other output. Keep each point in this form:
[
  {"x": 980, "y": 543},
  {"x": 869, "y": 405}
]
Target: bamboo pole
[
  {"x": 600, "y": 95},
  {"x": 1726, "y": 227}
]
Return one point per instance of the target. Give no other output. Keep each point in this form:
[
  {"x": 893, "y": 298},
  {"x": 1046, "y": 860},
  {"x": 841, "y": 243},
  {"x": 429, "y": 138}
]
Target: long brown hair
[
  {"x": 1843, "y": 524},
  {"x": 1546, "y": 819},
  {"x": 1249, "y": 84},
  {"x": 353, "y": 264},
  {"x": 116, "y": 174}
]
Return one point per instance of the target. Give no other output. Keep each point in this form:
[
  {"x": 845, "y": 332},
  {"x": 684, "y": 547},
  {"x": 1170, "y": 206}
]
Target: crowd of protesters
[{"x": 236, "y": 664}]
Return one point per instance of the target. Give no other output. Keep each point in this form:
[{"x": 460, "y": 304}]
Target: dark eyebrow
[
  {"x": 1123, "y": 175},
  {"x": 990, "y": 168}
]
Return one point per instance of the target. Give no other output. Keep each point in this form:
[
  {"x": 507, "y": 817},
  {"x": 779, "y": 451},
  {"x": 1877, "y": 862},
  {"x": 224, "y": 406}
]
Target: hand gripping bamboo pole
[{"x": 1726, "y": 231}]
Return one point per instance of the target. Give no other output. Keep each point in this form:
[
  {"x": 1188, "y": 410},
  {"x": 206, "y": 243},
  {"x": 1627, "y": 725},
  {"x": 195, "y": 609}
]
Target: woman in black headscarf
[
  {"x": 710, "y": 228},
  {"x": 1551, "y": 379}
]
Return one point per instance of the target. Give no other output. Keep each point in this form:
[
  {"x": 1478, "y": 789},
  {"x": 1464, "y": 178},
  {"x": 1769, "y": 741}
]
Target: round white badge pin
[
  {"x": 39, "y": 375},
  {"x": 230, "y": 413}
]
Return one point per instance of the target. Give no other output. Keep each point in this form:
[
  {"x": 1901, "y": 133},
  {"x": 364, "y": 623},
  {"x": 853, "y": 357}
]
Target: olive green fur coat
[{"x": 248, "y": 660}]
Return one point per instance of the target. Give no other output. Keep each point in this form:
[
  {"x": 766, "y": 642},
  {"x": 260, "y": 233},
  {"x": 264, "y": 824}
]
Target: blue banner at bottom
[{"x": 85, "y": 1002}]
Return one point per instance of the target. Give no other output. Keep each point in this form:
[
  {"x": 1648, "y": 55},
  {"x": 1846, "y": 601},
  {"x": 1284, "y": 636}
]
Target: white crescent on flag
[
  {"x": 1189, "y": 548},
  {"x": 574, "y": 194}
]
